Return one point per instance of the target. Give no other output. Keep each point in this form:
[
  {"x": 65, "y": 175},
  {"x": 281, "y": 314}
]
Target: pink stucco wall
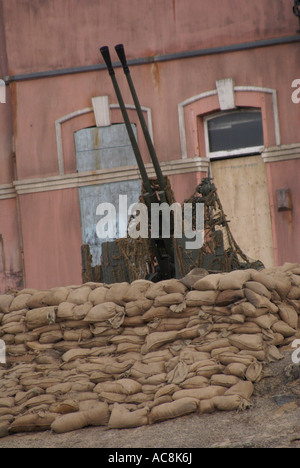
[
  {"x": 56, "y": 34},
  {"x": 52, "y": 238}
]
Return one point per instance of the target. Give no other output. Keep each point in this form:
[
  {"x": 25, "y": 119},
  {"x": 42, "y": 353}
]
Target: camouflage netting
[{"x": 126, "y": 355}]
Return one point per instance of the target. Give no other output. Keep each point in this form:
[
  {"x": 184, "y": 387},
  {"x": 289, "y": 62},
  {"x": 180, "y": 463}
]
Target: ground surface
[{"x": 272, "y": 422}]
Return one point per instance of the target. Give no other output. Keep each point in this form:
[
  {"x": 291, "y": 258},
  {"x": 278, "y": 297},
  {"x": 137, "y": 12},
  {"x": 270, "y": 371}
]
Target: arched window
[{"x": 234, "y": 133}]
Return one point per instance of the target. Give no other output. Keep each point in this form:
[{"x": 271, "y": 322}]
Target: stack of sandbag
[{"x": 126, "y": 355}]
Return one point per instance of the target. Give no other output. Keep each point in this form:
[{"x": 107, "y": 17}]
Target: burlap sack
[
  {"x": 122, "y": 418},
  {"x": 289, "y": 315},
  {"x": 228, "y": 296},
  {"x": 139, "y": 307},
  {"x": 168, "y": 300},
  {"x": 19, "y": 302},
  {"x": 178, "y": 374},
  {"x": 204, "y": 393},
  {"x": 157, "y": 339},
  {"x": 244, "y": 341},
  {"x": 195, "y": 382},
  {"x": 283, "y": 328},
  {"x": 102, "y": 312},
  {"x": 242, "y": 388},
  {"x": 64, "y": 407},
  {"x": 79, "y": 295},
  {"x": 39, "y": 317},
  {"x": 234, "y": 280},
  {"x": 235, "y": 368},
  {"x": 209, "y": 282},
  {"x": 254, "y": 372},
  {"x": 137, "y": 290},
  {"x": 224, "y": 380},
  {"x": 5, "y": 302},
  {"x": 227, "y": 402},
  {"x": 260, "y": 301},
  {"x": 173, "y": 286},
  {"x": 124, "y": 386},
  {"x": 55, "y": 296},
  {"x": 258, "y": 288},
  {"x": 263, "y": 278},
  {"x": 98, "y": 416},
  {"x": 282, "y": 284},
  {"x": 117, "y": 292},
  {"x": 32, "y": 423},
  {"x": 199, "y": 298},
  {"x": 98, "y": 295},
  {"x": 172, "y": 410}
]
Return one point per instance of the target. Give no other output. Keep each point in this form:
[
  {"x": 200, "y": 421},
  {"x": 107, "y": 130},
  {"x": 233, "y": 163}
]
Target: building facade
[{"x": 219, "y": 84}]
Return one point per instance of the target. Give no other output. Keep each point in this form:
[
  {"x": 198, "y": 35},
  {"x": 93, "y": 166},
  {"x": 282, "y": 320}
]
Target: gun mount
[{"x": 160, "y": 258}]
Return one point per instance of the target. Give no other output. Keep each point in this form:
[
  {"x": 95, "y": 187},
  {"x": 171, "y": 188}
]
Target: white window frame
[{"x": 228, "y": 153}]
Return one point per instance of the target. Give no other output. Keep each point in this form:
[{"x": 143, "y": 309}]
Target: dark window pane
[{"x": 241, "y": 129}]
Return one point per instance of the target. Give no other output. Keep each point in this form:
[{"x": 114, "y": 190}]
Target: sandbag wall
[{"x": 127, "y": 355}]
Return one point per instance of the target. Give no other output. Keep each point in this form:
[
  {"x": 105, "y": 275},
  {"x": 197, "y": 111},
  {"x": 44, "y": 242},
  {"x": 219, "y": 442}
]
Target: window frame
[{"x": 229, "y": 153}]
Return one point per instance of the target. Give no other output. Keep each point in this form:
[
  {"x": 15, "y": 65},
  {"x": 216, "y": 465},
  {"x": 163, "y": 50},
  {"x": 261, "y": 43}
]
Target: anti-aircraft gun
[{"x": 163, "y": 257}]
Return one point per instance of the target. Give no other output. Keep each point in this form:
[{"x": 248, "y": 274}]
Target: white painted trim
[
  {"x": 105, "y": 176},
  {"x": 281, "y": 153},
  {"x": 78, "y": 113},
  {"x": 258, "y": 89},
  {"x": 7, "y": 191},
  {"x": 181, "y": 106}
]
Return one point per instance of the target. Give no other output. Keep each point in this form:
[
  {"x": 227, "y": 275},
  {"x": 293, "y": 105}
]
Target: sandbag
[
  {"x": 102, "y": 312},
  {"x": 244, "y": 341},
  {"x": 258, "y": 288},
  {"x": 121, "y": 418},
  {"x": 199, "y": 298},
  {"x": 195, "y": 382},
  {"x": 139, "y": 307},
  {"x": 289, "y": 315},
  {"x": 168, "y": 300},
  {"x": 79, "y": 295},
  {"x": 124, "y": 386},
  {"x": 39, "y": 317},
  {"x": 172, "y": 410},
  {"x": 19, "y": 302},
  {"x": 117, "y": 292},
  {"x": 242, "y": 388},
  {"x": 98, "y": 416},
  {"x": 98, "y": 295},
  {"x": 228, "y": 296},
  {"x": 173, "y": 286},
  {"x": 5, "y": 302},
  {"x": 254, "y": 372},
  {"x": 264, "y": 279},
  {"x": 157, "y": 339},
  {"x": 55, "y": 296},
  {"x": 260, "y": 301},
  {"x": 234, "y": 280},
  {"x": 32, "y": 423},
  {"x": 209, "y": 282},
  {"x": 235, "y": 368},
  {"x": 283, "y": 328},
  {"x": 227, "y": 402},
  {"x": 137, "y": 290},
  {"x": 224, "y": 380},
  {"x": 204, "y": 393}
]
